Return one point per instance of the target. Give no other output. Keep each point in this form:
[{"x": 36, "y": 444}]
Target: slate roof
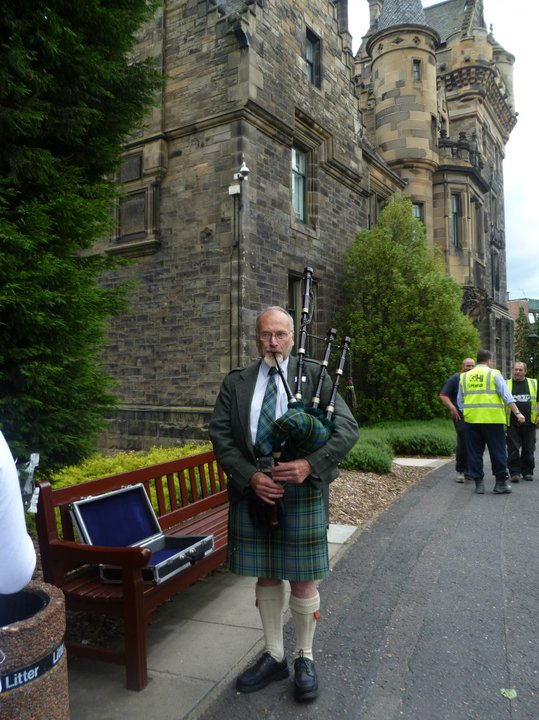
[
  {"x": 447, "y": 18},
  {"x": 454, "y": 16},
  {"x": 401, "y": 12}
]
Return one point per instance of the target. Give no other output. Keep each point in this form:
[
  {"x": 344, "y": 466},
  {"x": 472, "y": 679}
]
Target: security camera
[{"x": 243, "y": 172}]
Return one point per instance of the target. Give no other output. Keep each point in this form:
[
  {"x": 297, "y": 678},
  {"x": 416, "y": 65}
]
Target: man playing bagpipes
[{"x": 294, "y": 547}]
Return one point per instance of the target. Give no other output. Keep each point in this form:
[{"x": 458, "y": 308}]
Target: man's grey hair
[{"x": 274, "y": 308}]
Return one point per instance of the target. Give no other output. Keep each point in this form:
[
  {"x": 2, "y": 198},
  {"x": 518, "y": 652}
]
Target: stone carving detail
[{"x": 476, "y": 304}]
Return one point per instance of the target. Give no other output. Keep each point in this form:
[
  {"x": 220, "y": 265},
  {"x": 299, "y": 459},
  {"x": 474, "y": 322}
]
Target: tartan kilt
[{"x": 296, "y": 551}]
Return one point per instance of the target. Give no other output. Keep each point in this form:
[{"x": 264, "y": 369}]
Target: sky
[{"x": 515, "y": 26}]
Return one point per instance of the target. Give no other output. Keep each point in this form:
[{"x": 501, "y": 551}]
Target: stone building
[
  {"x": 437, "y": 97},
  {"x": 270, "y": 147},
  {"x": 530, "y": 307},
  {"x": 262, "y": 83}
]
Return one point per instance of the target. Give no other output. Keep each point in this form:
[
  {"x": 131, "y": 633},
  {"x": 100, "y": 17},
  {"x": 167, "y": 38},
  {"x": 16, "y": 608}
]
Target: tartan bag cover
[{"x": 307, "y": 430}]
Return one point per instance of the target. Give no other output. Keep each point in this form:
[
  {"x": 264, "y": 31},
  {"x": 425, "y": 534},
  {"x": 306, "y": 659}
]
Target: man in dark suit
[{"x": 297, "y": 550}]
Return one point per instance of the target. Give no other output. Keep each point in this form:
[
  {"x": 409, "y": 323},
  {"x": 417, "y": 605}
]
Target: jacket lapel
[
  {"x": 245, "y": 390},
  {"x": 244, "y": 396},
  {"x": 291, "y": 372}
]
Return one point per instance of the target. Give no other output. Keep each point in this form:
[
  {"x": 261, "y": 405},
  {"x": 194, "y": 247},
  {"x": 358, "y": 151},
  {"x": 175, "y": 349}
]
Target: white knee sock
[
  {"x": 305, "y": 612},
  {"x": 270, "y": 600}
]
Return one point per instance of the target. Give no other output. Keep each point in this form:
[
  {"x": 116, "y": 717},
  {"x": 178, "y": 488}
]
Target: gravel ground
[{"x": 357, "y": 498}]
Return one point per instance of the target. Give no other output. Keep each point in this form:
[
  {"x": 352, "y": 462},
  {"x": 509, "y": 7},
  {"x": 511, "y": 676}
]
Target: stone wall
[{"x": 207, "y": 261}]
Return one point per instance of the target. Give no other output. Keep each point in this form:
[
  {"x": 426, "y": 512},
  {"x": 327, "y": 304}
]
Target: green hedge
[
  {"x": 377, "y": 445},
  {"x": 100, "y": 465}
]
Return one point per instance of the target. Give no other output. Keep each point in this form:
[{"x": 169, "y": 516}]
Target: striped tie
[{"x": 263, "y": 443}]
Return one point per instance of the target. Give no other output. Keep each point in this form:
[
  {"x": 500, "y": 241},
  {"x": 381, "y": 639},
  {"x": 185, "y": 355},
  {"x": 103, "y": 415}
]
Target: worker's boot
[
  {"x": 502, "y": 486},
  {"x": 479, "y": 487}
]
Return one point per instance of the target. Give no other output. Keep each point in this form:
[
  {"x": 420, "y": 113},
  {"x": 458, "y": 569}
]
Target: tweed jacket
[{"x": 231, "y": 437}]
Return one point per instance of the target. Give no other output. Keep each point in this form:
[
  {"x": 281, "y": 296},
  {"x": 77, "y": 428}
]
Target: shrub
[
  {"x": 369, "y": 457},
  {"x": 378, "y": 444},
  {"x": 99, "y": 465},
  {"x": 403, "y": 312},
  {"x": 419, "y": 438}
]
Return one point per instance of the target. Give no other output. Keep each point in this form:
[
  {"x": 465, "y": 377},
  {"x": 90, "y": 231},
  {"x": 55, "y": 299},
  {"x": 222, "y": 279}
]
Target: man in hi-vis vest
[
  {"x": 521, "y": 436},
  {"x": 483, "y": 396}
]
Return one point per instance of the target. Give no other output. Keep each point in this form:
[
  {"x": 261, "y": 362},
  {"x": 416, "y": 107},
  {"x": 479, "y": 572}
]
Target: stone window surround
[
  {"x": 137, "y": 209},
  {"x": 313, "y": 57}
]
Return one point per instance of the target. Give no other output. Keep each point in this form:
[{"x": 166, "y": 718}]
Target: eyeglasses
[{"x": 280, "y": 336}]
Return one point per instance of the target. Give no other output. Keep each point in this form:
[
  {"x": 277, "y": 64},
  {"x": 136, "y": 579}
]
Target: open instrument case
[{"x": 125, "y": 518}]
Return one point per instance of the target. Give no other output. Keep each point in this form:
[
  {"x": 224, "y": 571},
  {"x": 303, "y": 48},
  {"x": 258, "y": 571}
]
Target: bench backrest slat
[
  {"x": 204, "y": 487},
  {"x": 182, "y": 485},
  {"x": 67, "y": 524}
]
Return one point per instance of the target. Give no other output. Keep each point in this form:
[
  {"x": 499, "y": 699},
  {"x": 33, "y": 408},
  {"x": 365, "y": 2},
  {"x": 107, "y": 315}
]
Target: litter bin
[{"x": 33, "y": 662}]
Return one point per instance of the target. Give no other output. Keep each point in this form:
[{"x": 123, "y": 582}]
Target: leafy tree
[
  {"x": 403, "y": 314},
  {"x": 69, "y": 96},
  {"x": 522, "y": 330}
]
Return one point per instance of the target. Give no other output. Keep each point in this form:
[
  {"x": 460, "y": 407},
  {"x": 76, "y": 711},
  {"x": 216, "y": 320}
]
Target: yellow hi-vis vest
[
  {"x": 532, "y": 389},
  {"x": 481, "y": 402}
]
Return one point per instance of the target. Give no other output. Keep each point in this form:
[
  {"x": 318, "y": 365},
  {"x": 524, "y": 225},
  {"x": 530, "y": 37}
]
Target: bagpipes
[
  {"x": 306, "y": 429},
  {"x": 302, "y": 430}
]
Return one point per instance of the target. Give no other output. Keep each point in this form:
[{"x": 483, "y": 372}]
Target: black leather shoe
[
  {"x": 265, "y": 670},
  {"x": 502, "y": 487},
  {"x": 306, "y": 679}
]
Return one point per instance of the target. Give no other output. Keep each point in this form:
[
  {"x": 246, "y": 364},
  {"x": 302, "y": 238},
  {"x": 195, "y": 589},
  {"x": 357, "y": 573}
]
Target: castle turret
[
  {"x": 402, "y": 48},
  {"x": 504, "y": 62}
]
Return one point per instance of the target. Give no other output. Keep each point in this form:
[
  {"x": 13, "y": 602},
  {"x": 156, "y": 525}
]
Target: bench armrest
[{"x": 71, "y": 552}]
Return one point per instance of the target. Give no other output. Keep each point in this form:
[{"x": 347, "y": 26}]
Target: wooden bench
[{"x": 190, "y": 499}]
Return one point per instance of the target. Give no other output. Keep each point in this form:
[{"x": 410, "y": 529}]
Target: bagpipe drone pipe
[{"x": 301, "y": 430}]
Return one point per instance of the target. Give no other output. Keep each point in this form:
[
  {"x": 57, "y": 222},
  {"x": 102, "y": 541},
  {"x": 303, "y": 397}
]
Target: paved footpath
[{"x": 429, "y": 614}]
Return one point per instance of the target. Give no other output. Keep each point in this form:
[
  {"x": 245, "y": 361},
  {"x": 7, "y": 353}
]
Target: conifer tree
[
  {"x": 69, "y": 96},
  {"x": 403, "y": 313},
  {"x": 522, "y": 331}
]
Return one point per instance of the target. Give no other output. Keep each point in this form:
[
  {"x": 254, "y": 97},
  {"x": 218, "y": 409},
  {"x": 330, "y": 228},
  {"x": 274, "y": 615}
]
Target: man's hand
[
  {"x": 455, "y": 415},
  {"x": 521, "y": 418},
  {"x": 266, "y": 488},
  {"x": 293, "y": 472},
  {"x": 454, "y": 411}
]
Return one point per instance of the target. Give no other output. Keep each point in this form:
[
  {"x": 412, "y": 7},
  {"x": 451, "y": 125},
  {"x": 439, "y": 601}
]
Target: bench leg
[
  {"x": 135, "y": 640},
  {"x": 136, "y": 666}
]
